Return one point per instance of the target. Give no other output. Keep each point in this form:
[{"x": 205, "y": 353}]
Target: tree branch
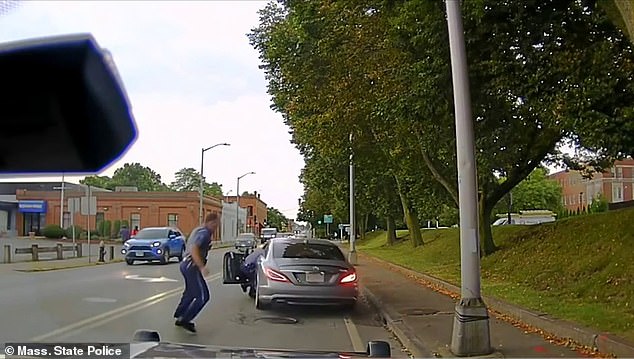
[{"x": 453, "y": 192}]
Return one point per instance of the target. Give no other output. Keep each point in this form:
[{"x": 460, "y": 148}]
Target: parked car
[
  {"x": 155, "y": 244},
  {"x": 305, "y": 272},
  {"x": 246, "y": 242}
]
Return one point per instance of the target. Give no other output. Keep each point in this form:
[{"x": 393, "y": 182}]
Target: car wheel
[
  {"x": 129, "y": 261},
  {"x": 166, "y": 256},
  {"x": 259, "y": 303},
  {"x": 180, "y": 256}
]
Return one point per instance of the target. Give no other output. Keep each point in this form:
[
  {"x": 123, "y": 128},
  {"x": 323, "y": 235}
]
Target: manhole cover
[
  {"x": 277, "y": 320},
  {"x": 100, "y": 300},
  {"x": 420, "y": 311}
]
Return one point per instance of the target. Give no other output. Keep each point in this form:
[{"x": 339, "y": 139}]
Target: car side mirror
[{"x": 172, "y": 236}]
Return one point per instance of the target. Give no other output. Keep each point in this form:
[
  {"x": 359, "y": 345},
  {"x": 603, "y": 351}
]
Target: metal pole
[
  {"x": 509, "y": 218},
  {"x": 88, "y": 221},
  {"x": 471, "y": 335},
  {"x": 238, "y": 208},
  {"x": 352, "y": 256},
  {"x": 61, "y": 211},
  {"x": 200, "y": 189}
]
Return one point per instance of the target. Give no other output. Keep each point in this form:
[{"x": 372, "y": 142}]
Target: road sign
[
  {"x": 74, "y": 205},
  {"x": 344, "y": 225},
  {"x": 327, "y": 218},
  {"x": 89, "y": 209}
]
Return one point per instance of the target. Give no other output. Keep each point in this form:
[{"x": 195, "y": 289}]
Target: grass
[{"x": 580, "y": 269}]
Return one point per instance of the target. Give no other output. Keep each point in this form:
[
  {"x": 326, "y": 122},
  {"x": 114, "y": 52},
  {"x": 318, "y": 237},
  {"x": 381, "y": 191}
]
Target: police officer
[
  {"x": 193, "y": 268},
  {"x": 249, "y": 270}
]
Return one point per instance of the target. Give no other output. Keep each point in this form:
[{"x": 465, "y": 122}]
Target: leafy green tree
[
  {"x": 275, "y": 218},
  {"x": 104, "y": 182},
  {"x": 188, "y": 180},
  {"x": 536, "y": 191},
  {"x": 131, "y": 174}
]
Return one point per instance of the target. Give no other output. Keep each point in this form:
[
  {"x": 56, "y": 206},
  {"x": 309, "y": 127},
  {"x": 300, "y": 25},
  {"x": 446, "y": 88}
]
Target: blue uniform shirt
[
  {"x": 251, "y": 261},
  {"x": 201, "y": 238}
]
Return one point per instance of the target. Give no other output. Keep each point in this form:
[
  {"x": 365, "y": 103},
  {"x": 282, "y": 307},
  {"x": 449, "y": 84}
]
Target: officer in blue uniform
[
  {"x": 249, "y": 270},
  {"x": 193, "y": 268}
]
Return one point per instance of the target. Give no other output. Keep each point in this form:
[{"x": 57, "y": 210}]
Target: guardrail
[{"x": 35, "y": 251}]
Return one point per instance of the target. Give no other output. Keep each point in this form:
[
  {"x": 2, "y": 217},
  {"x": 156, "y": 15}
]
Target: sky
[{"x": 193, "y": 81}]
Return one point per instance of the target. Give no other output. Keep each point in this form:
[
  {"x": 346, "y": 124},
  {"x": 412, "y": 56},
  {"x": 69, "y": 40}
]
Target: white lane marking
[
  {"x": 353, "y": 333},
  {"x": 149, "y": 279},
  {"x": 106, "y": 317},
  {"x": 100, "y": 300}
]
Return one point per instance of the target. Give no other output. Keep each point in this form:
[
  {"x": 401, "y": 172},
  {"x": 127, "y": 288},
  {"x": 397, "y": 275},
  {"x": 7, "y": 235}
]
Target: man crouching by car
[{"x": 249, "y": 270}]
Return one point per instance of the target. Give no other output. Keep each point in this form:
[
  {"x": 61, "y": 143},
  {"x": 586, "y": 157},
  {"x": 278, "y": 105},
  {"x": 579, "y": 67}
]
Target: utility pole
[
  {"x": 471, "y": 334},
  {"x": 352, "y": 256}
]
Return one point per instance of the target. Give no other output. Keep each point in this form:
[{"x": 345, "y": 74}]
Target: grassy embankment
[{"x": 580, "y": 269}]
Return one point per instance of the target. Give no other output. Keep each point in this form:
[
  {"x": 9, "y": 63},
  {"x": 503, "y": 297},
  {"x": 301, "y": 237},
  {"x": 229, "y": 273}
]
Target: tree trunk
[
  {"x": 391, "y": 231},
  {"x": 486, "y": 235},
  {"x": 412, "y": 222}
]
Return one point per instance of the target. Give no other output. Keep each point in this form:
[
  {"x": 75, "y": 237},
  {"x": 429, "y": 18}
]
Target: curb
[
  {"x": 403, "y": 332},
  {"x": 583, "y": 336},
  {"x": 78, "y": 265}
]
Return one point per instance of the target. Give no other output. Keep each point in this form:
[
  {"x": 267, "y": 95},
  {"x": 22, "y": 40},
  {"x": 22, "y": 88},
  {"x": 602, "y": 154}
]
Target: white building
[{"x": 228, "y": 221}]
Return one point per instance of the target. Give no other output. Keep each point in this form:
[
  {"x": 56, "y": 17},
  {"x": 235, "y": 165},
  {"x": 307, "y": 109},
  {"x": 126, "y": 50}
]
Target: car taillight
[
  {"x": 275, "y": 275},
  {"x": 348, "y": 277}
]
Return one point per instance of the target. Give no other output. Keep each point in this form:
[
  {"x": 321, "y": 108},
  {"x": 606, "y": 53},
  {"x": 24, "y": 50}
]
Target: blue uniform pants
[{"x": 196, "y": 293}]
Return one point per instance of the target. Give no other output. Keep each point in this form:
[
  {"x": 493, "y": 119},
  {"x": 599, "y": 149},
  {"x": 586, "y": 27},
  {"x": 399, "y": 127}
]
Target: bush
[
  {"x": 78, "y": 231},
  {"x": 107, "y": 229},
  {"x": 99, "y": 228},
  {"x": 116, "y": 229},
  {"x": 53, "y": 231}
]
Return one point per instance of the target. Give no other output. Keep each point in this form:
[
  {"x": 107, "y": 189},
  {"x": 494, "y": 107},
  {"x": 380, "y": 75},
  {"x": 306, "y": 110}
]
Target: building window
[
  {"x": 250, "y": 211},
  {"x": 172, "y": 220},
  {"x": 135, "y": 220},
  {"x": 66, "y": 220},
  {"x": 619, "y": 172},
  {"x": 100, "y": 217}
]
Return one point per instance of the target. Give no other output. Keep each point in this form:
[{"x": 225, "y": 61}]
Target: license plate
[
  {"x": 139, "y": 253},
  {"x": 314, "y": 277}
]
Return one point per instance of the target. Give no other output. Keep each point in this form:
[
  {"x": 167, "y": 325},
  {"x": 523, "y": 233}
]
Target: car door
[
  {"x": 171, "y": 241},
  {"x": 179, "y": 243},
  {"x": 231, "y": 263}
]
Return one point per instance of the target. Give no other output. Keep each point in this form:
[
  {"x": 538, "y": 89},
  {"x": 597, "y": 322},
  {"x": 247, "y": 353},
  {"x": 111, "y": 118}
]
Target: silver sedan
[{"x": 305, "y": 272}]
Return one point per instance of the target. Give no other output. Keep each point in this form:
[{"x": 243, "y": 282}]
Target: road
[{"x": 108, "y": 303}]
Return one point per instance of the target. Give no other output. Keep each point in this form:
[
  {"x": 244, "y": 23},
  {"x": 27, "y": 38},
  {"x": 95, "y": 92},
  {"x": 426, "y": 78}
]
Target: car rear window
[
  {"x": 307, "y": 250},
  {"x": 151, "y": 234}
]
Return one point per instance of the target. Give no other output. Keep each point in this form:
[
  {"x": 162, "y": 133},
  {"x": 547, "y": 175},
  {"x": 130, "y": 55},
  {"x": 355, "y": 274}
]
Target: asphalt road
[{"x": 108, "y": 303}]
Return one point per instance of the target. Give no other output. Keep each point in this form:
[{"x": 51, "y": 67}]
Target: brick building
[
  {"x": 257, "y": 211},
  {"x": 143, "y": 209},
  {"x": 615, "y": 185}
]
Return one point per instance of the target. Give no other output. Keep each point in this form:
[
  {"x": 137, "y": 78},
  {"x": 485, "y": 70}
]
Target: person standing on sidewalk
[{"x": 194, "y": 269}]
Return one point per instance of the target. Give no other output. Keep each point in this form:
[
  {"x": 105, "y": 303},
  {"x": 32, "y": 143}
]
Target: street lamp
[
  {"x": 352, "y": 256},
  {"x": 201, "y": 187},
  {"x": 238, "y": 203},
  {"x": 471, "y": 335}
]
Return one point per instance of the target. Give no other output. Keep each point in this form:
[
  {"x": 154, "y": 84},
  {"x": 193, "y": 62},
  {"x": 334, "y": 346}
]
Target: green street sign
[{"x": 328, "y": 218}]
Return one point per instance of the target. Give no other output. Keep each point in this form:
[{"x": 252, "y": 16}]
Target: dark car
[{"x": 155, "y": 244}]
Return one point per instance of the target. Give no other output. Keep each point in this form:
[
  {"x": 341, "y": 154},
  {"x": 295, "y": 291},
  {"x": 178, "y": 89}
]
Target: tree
[
  {"x": 536, "y": 191},
  {"x": 104, "y": 182},
  {"x": 188, "y": 180},
  {"x": 144, "y": 178},
  {"x": 276, "y": 219}
]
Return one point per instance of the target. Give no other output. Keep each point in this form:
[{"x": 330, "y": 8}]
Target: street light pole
[
  {"x": 61, "y": 204},
  {"x": 352, "y": 256},
  {"x": 201, "y": 180},
  {"x": 238, "y": 202},
  {"x": 471, "y": 334}
]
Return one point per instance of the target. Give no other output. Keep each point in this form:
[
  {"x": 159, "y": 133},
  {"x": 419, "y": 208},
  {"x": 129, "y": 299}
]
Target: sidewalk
[{"x": 422, "y": 318}]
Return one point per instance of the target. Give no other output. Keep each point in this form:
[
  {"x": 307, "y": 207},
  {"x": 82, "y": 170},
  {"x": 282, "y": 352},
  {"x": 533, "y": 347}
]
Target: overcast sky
[{"x": 193, "y": 81}]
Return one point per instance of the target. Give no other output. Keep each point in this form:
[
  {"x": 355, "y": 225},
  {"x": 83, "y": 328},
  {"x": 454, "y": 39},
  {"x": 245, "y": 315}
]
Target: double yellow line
[{"x": 103, "y": 318}]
